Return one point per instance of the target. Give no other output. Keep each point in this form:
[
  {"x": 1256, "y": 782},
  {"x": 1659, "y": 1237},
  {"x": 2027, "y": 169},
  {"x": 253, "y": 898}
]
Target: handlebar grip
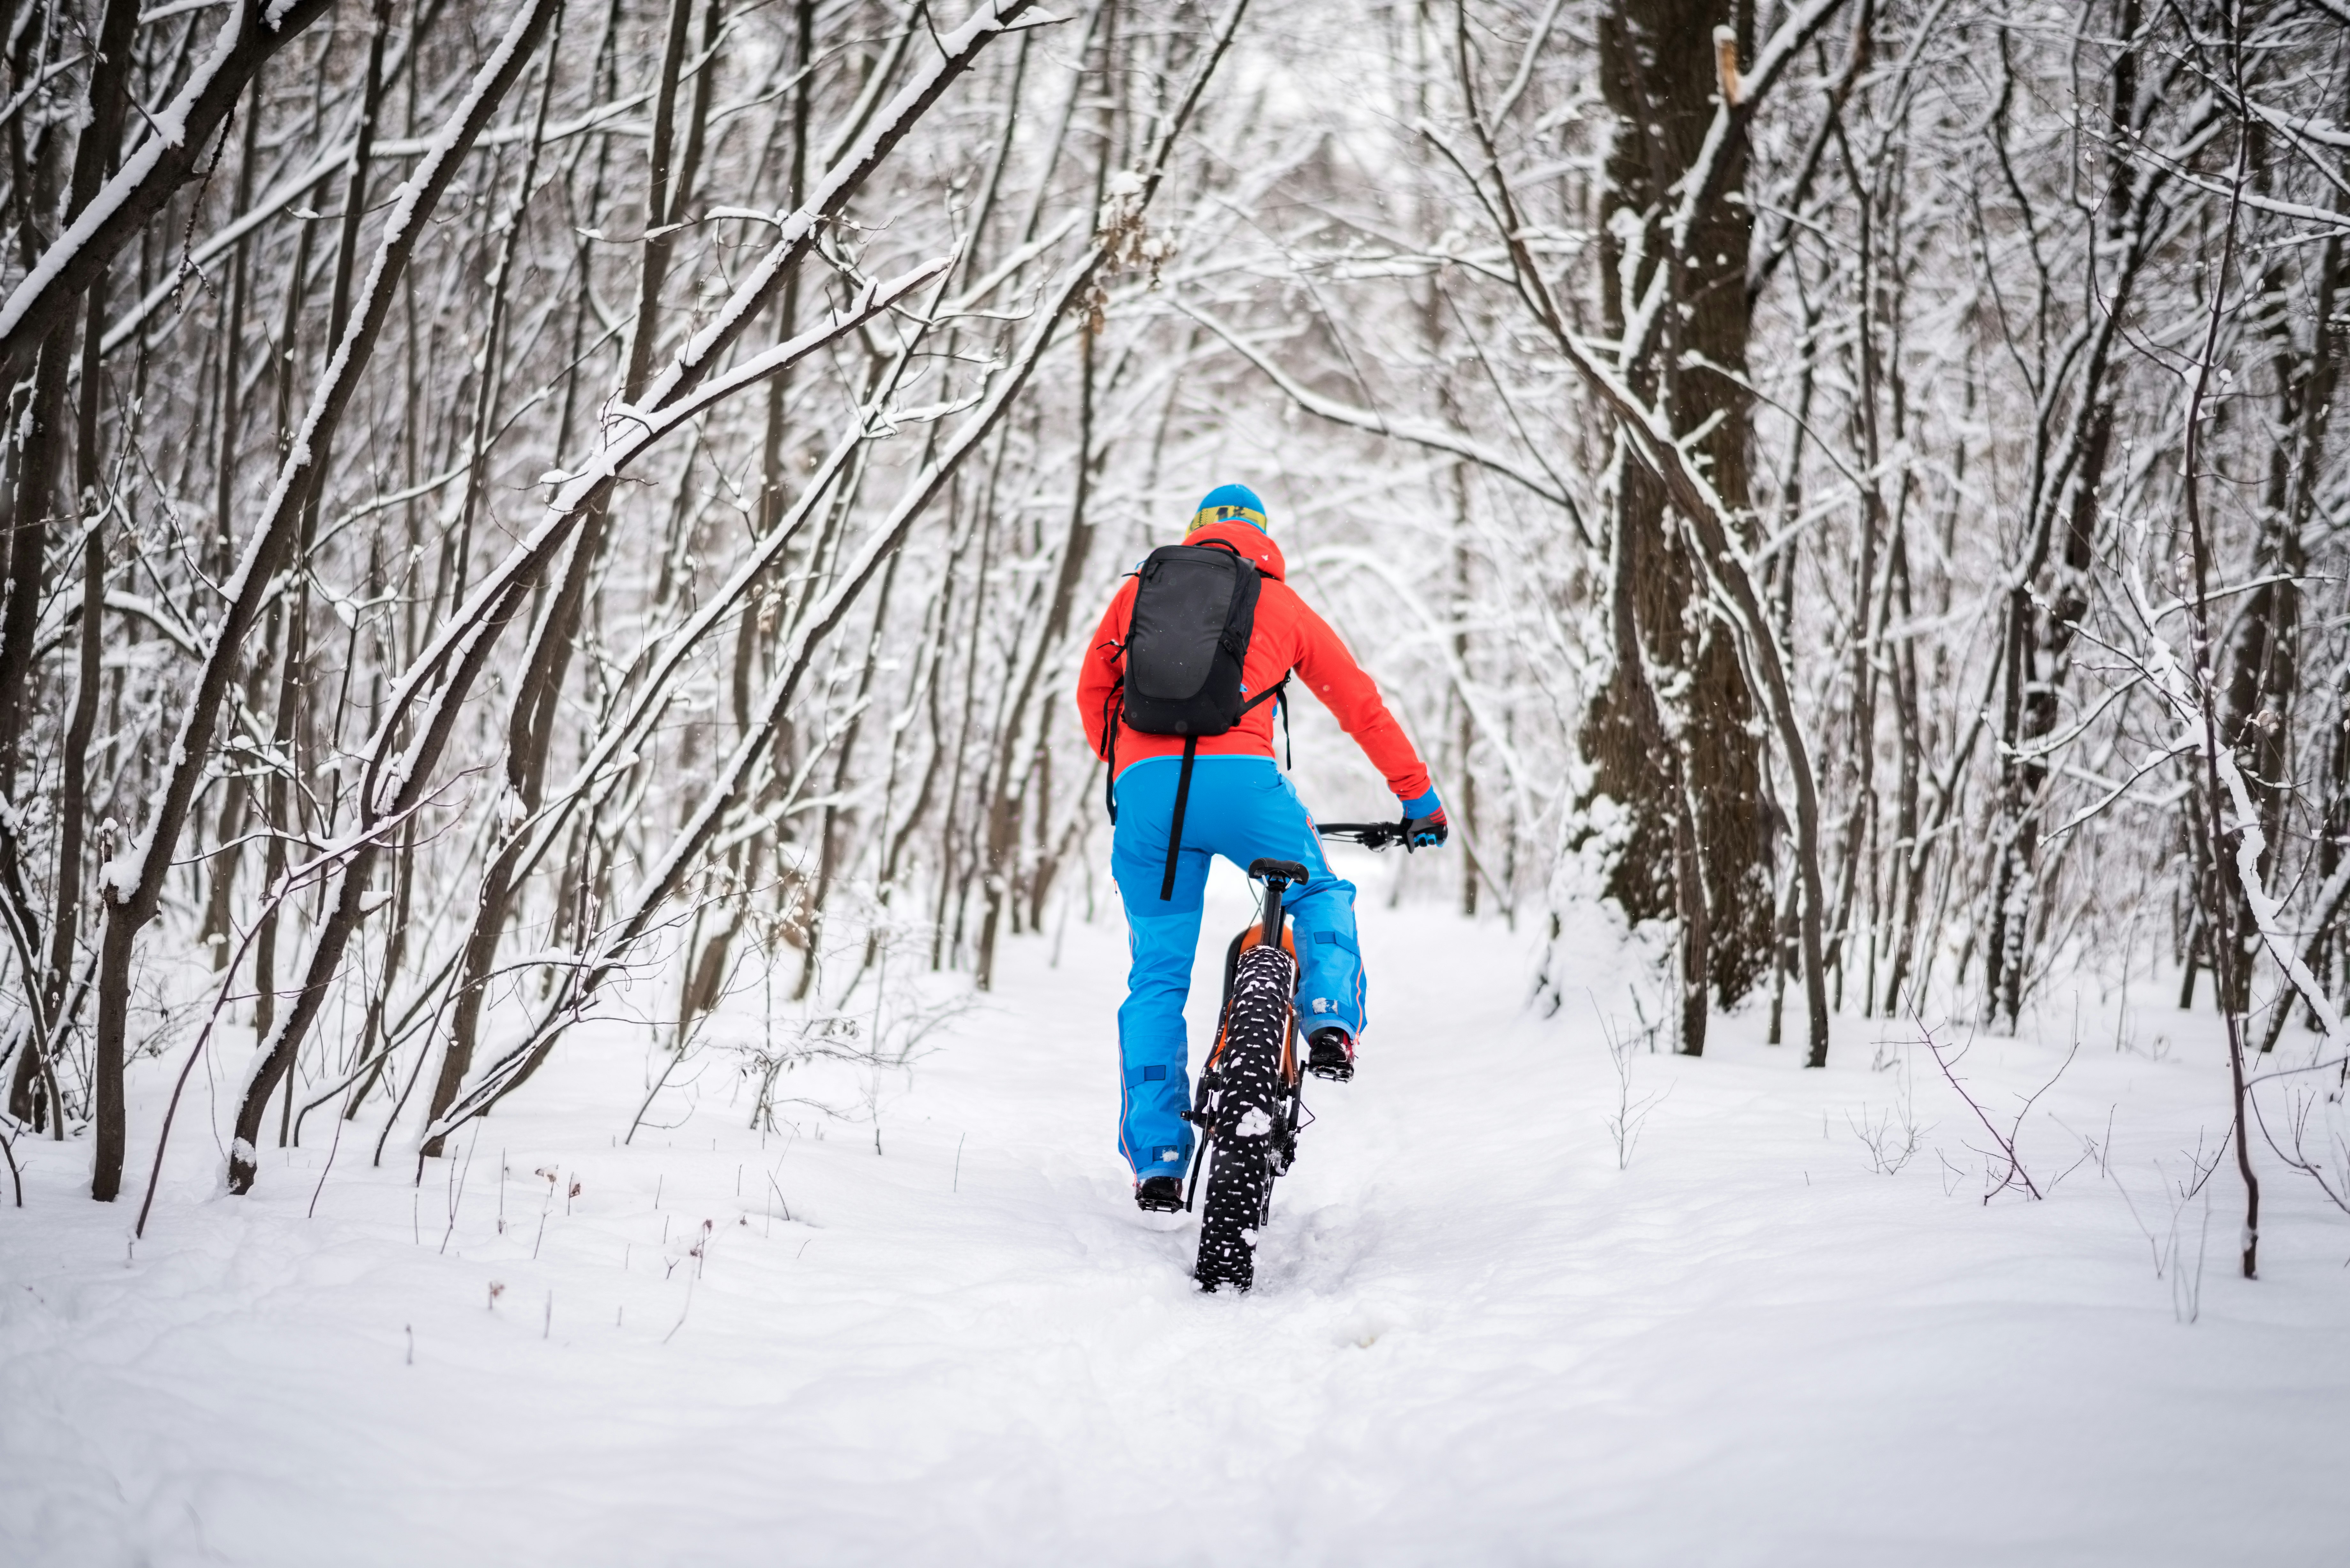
[{"x": 1370, "y": 835}]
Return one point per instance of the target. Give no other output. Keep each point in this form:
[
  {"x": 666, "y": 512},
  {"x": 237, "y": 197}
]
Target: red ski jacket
[{"x": 1288, "y": 635}]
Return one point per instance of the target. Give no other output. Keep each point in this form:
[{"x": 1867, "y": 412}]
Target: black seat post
[{"x": 1277, "y": 876}]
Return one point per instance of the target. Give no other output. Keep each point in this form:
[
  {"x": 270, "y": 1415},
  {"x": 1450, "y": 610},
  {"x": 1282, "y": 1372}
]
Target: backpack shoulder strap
[
  {"x": 1109, "y": 749},
  {"x": 1269, "y": 694},
  {"x": 1278, "y": 692}
]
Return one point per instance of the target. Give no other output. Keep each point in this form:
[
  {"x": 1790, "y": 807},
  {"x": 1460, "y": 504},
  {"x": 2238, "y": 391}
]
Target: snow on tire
[{"x": 1248, "y": 1090}]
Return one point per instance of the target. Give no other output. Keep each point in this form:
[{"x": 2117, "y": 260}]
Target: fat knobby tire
[{"x": 1246, "y": 1110}]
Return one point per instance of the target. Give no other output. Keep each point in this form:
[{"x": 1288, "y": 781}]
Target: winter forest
[{"x": 548, "y": 533}]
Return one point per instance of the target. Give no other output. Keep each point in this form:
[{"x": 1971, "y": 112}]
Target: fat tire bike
[{"x": 1250, "y": 1105}]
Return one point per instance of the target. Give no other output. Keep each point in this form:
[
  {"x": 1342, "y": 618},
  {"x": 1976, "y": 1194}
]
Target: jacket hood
[{"x": 1245, "y": 538}]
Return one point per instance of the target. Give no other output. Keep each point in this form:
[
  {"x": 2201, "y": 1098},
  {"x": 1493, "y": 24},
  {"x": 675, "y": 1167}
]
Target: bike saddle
[{"x": 1281, "y": 870}]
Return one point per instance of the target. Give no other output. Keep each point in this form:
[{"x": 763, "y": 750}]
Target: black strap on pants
[{"x": 1175, "y": 827}]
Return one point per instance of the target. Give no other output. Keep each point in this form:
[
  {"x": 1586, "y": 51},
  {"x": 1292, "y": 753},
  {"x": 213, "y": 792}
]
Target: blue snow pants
[{"x": 1241, "y": 808}]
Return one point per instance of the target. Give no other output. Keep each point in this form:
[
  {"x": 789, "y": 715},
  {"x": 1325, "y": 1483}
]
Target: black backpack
[{"x": 1186, "y": 642}]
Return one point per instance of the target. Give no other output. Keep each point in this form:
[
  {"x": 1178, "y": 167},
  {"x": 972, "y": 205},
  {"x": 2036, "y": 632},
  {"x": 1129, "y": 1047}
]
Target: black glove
[{"x": 1428, "y": 832}]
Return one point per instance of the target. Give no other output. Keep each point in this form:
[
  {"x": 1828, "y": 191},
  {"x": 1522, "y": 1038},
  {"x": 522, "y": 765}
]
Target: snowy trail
[{"x": 1474, "y": 1340}]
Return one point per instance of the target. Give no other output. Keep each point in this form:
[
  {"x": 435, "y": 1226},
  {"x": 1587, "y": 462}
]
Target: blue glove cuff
[{"x": 1423, "y": 805}]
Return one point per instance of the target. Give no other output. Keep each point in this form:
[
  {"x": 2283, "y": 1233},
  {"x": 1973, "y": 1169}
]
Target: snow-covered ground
[{"x": 1475, "y": 1338}]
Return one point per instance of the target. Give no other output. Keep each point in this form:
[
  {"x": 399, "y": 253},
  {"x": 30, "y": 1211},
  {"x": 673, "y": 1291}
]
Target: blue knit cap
[{"x": 1227, "y": 504}]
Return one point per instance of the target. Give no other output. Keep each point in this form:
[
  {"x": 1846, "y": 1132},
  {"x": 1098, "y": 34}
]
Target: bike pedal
[
  {"x": 1330, "y": 1057},
  {"x": 1159, "y": 1195}
]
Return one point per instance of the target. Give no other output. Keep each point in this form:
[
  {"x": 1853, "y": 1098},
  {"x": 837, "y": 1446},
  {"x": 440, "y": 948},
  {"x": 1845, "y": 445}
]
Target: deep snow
[{"x": 1475, "y": 1340}]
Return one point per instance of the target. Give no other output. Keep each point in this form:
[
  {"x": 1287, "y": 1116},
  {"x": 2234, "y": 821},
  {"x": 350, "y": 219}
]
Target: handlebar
[{"x": 1369, "y": 834}]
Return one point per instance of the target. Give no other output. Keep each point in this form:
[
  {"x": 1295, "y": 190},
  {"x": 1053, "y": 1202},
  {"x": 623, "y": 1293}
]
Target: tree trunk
[
  {"x": 1658, "y": 76},
  {"x": 94, "y": 155}
]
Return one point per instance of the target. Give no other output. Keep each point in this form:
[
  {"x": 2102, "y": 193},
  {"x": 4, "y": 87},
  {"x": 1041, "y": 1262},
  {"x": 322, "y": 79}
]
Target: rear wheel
[{"x": 1248, "y": 1108}]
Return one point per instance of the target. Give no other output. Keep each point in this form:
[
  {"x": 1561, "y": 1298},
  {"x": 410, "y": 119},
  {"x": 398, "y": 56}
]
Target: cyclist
[{"x": 1240, "y": 806}]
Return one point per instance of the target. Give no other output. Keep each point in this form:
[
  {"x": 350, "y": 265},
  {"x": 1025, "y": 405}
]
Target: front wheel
[{"x": 1244, "y": 1116}]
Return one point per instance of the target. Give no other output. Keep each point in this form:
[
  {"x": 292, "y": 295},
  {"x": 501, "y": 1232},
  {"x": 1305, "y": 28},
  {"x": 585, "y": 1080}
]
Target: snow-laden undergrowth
[{"x": 1479, "y": 1336}]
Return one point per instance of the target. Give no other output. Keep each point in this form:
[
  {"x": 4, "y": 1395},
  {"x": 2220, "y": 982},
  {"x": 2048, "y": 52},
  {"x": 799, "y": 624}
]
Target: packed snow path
[{"x": 1474, "y": 1340}]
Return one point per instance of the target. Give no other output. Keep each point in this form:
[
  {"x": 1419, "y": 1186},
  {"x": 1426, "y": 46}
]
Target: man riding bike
[{"x": 1233, "y": 801}]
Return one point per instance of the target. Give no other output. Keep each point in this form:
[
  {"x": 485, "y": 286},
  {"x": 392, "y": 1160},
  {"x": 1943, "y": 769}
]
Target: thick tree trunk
[{"x": 1659, "y": 75}]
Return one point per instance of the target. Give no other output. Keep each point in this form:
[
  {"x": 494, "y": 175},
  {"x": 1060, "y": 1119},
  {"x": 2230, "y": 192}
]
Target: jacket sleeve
[
  {"x": 1105, "y": 664},
  {"x": 1354, "y": 698}
]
